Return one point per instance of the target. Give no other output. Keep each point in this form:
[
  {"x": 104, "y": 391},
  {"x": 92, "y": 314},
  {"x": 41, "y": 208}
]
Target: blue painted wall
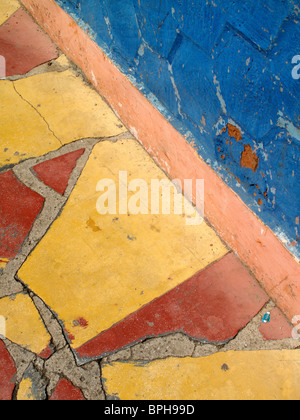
[{"x": 226, "y": 74}]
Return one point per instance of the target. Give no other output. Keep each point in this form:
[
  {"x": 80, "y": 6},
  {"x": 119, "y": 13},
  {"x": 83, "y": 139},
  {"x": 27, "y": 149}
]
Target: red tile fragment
[
  {"x": 19, "y": 207},
  {"x": 24, "y": 45},
  {"x": 45, "y": 354},
  {"x": 7, "y": 374},
  {"x": 65, "y": 391},
  {"x": 212, "y": 306},
  {"x": 278, "y": 328},
  {"x": 56, "y": 172}
]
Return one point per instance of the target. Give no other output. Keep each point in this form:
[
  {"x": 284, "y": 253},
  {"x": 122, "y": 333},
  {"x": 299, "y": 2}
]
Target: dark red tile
[
  {"x": 19, "y": 207},
  {"x": 213, "y": 306},
  {"x": 278, "y": 328},
  {"x": 56, "y": 172},
  {"x": 7, "y": 374},
  {"x": 65, "y": 391},
  {"x": 24, "y": 45}
]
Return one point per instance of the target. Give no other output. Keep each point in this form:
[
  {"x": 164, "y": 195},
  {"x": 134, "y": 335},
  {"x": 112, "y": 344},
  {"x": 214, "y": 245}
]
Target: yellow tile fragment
[
  {"x": 25, "y": 392},
  {"x": 23, "y": 132},
  {"x": 8, "y": 8},
  {"x": 72, "y": 109},
  {"x": 23, "y": 324},
  {"x": 257, "y": 375},
  {"x": 3, "y": 262},
  {"x": 101, "y": 268}
]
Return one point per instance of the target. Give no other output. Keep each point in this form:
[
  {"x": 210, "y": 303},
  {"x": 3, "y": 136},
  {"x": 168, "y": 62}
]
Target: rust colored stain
[
  {"x": 81, "y": 322},
  {"x": 249, "y": 158},
  {"x": 234, "y": 132}
]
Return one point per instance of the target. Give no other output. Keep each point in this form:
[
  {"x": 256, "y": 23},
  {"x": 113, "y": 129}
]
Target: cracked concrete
[{"x": 37, "y": 375}]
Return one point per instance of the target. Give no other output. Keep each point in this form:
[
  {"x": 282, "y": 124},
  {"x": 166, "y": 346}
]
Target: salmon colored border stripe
[{"x": 256, "y": 245}]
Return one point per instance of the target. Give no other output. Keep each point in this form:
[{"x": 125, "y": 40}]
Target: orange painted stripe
[{"x": 257, "y": 246}]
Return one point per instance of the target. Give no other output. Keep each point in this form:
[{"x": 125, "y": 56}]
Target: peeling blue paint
[{"x": 212, "y": 67}]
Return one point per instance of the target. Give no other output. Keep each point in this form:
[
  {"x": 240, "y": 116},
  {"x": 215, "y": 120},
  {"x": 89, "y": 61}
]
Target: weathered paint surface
[
  {"x": 99, "y": 261},
  {"x": 20, "y": 142},
  {"x": 90, "y": 116},
  {"x": 19, "y": 207},
  {"x": 7, "y": 8},
  {"x": 257, "y": 375},
  {"x": 211, "y": 65}
]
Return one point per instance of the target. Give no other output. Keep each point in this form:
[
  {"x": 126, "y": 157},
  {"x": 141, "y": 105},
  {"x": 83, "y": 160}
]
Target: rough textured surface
[
  {"x": 37, "y": 361},
  {"x": 278, "y": 328},
  {"x": 257, "y": 246},
  {"x": 56, "y": 172},
  {"x": 24, "y": 326},
  {"x": 211, "y": 64}
]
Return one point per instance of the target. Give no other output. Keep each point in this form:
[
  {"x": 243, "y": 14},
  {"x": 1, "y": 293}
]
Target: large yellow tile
[
  {"x": 72, "y": 109},
  {"x": 23, "y": 132},
  {"x": 7, "y": 8},
  {"x": 260, "y": 375},
  {"x": 23, "y": 324},
  {"x": 94, "y": 270}
]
